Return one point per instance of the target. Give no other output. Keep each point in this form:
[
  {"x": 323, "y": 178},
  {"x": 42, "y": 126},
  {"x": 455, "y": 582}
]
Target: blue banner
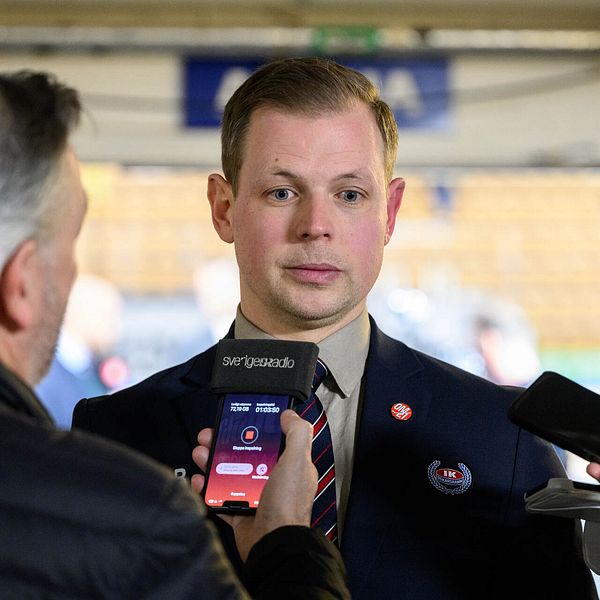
[{"x": 417, "y": 89}]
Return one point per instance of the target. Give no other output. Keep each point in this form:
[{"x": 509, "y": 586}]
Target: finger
[
  {"x": 205, "y": 437},
  {"x": 288, "y": 495},
  {"x": 298, "y": 432},
  {"x": 200, "y": 456},
  {"x": 593, "y": 469},
  {"x": 197, "y": 483}
]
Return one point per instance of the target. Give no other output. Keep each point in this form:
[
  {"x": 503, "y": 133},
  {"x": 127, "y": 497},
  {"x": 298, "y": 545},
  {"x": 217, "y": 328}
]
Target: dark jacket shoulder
[{"x": 82, "y": 517}]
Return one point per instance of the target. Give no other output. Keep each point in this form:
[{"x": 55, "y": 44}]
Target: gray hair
[{"x": 37, "y": 114}]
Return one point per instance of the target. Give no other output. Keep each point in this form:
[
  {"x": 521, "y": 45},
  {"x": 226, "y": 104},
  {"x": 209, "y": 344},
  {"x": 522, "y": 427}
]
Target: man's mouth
[{"x": 314, "y": 273}]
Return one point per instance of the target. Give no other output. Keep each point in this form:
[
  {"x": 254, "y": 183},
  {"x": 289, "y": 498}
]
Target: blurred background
[{"x": 495, "y": 262}]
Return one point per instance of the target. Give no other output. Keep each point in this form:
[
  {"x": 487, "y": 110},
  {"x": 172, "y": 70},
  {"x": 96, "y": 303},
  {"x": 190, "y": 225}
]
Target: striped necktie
[{"x": 324, "y": 511}]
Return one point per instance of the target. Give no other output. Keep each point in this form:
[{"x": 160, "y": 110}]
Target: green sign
[{"x": 345, "y": 40}]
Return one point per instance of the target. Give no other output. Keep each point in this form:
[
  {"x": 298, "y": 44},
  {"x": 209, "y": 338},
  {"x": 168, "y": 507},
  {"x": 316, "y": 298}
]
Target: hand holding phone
[
  {"x": 288, "y": 494},
  {"x": 256, "y": 381},
  {"x": 247, "y": 442}
]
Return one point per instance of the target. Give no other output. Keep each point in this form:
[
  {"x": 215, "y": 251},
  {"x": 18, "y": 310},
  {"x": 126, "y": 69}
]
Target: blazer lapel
[
  {"x": 196, "y": 407},
  {"x": 385, "y": 452}
]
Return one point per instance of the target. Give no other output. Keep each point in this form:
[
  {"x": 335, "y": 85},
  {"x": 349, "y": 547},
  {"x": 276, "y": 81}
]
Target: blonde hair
[{"x": 310, "y": 86}]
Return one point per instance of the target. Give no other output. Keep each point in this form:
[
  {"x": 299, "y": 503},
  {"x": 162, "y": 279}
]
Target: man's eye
[
  {"x": 281, "y": 194},
  {"x": 351, "y": 196}
]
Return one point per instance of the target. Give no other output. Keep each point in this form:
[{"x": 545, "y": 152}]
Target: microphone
[
  {"x": 278, "y": 367},
  {"x": 566, "y": 414},
  {"x": 256, "y": 380},
  {"x": 562, "y": 412}
]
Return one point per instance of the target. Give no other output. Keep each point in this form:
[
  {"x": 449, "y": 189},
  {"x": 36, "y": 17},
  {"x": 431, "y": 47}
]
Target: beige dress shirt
[{"x": 345, "y": 353}]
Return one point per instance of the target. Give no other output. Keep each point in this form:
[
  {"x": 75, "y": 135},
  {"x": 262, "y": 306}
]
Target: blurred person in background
[
  {"x": 81, "y": 517},
  {"x": 217, "y": 291},
  {"x": 429, "y": 473},
  {"x": 506, "y": 343},
  {"x": 85, "y": 362},
  {"x": 216, "y": 294},
  {"x": 510, "y": 354}
]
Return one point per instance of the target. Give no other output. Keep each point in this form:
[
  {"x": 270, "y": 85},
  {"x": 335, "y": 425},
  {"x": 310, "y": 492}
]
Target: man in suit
[
  {"x": 429, "y": 473},
  {"x": 82, "y": 517}
]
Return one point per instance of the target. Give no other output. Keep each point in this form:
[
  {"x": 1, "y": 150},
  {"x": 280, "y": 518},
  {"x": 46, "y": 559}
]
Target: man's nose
[{"x": 314, "y": 218}]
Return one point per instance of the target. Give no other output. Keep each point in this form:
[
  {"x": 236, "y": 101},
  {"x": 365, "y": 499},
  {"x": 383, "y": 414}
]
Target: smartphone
[
  {"x": 246, "y": 445},
  {"x": 562, "y": 412}
]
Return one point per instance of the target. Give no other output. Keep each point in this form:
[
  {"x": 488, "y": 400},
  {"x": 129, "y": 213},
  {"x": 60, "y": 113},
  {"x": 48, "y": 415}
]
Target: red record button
[{"x": 401, "y": 411}]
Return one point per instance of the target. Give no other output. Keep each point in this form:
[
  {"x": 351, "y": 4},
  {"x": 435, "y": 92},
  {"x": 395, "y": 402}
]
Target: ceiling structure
[
  {"x": 412, "y": 14},
  {"x": 353, "y": 26}
]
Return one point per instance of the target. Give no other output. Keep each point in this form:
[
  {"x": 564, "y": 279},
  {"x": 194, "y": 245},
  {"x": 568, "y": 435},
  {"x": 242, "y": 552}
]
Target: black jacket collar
[{"x": 17, "y": 396}]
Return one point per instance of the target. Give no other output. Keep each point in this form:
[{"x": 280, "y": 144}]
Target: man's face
[
  {"x": 58, "y": 264},
  {"x": 311, "y": 217}
]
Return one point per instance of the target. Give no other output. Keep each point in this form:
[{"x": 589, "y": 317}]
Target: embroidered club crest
[{"x": 449, "y": 480}]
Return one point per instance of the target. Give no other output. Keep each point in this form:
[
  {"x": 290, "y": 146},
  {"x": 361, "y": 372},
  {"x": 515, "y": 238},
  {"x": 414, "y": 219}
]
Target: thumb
[{"x": 298, "y": 432}]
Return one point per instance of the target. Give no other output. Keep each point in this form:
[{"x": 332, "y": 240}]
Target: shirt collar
[{"x": 344, "y": 352}]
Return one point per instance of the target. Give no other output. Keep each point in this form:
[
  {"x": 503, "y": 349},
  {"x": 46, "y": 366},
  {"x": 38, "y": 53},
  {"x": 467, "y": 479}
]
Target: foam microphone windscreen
[{"x": 264, "y": 366}]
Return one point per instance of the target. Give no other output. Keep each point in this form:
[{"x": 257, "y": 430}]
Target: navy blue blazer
[{"x": 435, "y": 509}]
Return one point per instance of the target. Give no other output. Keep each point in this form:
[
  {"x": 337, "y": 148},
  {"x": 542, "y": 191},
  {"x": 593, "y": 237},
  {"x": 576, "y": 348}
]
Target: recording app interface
[{"x": 246, "y": 450}]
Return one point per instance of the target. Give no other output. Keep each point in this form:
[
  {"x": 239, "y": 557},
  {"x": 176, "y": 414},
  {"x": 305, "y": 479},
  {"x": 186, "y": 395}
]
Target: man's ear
[
  {"x": 394, "y": 200},
  {"x": 220, "y": 197},
  {"x": 19, "y": 283}
]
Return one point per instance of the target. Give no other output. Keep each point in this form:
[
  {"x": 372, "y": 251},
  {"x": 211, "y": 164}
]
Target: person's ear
[
  {"x": 220, "y": 197},
  {"x": 394, "y": 200},
  {"x": 19, "y": 286}
]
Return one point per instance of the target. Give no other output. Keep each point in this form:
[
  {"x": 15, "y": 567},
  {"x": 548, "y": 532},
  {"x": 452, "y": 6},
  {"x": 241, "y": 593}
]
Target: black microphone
[
  {"x": 256, "y": 380},
  {"x": 568, "y": 415},
  {"x": 562, "y": 412},
  {"x": 264, "y": 366}
]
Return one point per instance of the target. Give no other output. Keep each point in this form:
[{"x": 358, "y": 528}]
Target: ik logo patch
[{"x": 448, "y": 479}]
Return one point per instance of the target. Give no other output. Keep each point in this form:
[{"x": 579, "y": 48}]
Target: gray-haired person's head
[{"x": 37, "y": 114}]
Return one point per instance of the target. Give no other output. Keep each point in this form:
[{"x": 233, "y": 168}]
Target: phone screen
[{"x": 248, "y": 441}]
